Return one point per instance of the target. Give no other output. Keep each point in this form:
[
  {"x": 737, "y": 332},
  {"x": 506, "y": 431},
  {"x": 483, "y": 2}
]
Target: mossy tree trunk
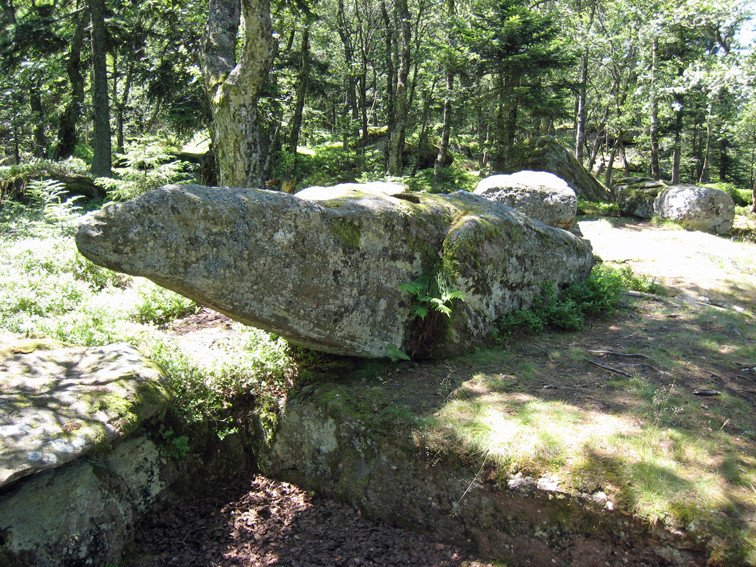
[
  {"x": 398, "y": 127},
  {"x": 234, "y": 87},
  {"x": 101, "y": 144}
]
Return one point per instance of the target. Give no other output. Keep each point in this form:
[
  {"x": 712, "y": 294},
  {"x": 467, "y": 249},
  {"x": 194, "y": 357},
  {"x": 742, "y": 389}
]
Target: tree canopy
[{"x": 658, "y": 87}]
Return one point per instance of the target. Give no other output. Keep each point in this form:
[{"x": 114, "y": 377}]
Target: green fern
[{"x": 431, "y": 291}]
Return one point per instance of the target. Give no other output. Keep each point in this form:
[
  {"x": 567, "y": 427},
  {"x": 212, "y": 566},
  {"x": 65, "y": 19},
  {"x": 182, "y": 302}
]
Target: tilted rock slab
[
  {"x": 546, "y": 153},
  {"x": 697, "y": 208},
  {"x": 539, "y": 194},
  {"x": 59, "y": 404},
  {"x": 323, "y": 268}
]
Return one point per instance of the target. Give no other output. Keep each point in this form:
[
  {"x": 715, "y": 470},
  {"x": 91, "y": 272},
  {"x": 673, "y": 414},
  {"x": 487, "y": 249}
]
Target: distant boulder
[
  {"x": 539, "y": 194},
  {"x": 545, "y": 153},
  {"x": 327, "y": 271},
  {"x": 636, "y": 196},
  {"x": 697, "y": 208}
]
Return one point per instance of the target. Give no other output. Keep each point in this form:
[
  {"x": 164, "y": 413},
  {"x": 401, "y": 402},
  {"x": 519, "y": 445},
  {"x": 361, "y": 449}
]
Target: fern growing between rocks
[
  {"x": 432, "y": 297},
  {"x": 431, "y": 292}
]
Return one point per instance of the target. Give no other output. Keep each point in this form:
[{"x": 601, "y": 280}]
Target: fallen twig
[
  {"x": 706, "y": 392},
  {"x": 610, "y": 368},
  {"x": 626, "y": 354}
]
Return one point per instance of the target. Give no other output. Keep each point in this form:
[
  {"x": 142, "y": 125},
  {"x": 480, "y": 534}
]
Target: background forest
[{"x": 366, "y": 88}]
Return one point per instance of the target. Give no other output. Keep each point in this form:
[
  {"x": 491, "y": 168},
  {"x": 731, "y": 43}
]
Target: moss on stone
[{"x": 347, "y": 231}]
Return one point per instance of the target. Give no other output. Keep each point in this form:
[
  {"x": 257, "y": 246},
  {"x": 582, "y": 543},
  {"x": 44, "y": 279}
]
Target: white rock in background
[
  {"x": 697, "y": 208},
  {"x": 539, "y": 194}
]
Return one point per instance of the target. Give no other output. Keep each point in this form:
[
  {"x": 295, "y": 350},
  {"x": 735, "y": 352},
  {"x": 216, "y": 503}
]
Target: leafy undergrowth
[{"x": 51, "y": 290}]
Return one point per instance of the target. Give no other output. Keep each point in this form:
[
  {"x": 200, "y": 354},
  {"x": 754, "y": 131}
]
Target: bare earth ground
[{"x": 257, "y": 521}]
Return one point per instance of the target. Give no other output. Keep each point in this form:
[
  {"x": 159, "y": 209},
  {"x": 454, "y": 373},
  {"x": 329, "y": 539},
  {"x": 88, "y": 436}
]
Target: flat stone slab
[{"x": 59, "y": 404}]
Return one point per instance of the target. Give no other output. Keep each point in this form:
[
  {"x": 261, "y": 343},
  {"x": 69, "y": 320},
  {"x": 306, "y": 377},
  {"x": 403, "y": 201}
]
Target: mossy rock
[{"x": 71, "y": 401}]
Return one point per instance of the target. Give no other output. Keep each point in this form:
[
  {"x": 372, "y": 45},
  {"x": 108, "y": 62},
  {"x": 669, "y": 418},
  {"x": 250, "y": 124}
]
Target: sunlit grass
[{"x": 665, "y": 459}]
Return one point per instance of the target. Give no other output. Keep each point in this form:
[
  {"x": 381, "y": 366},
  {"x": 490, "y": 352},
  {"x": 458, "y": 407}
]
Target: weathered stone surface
[
  {"x": 539, "y": 194},
  {"x": 635, "y": 197},
  {"x": 697, "y": 208},
  {"x": 547, "y": 154},
  {"x": 82, "y": 512},
  {"x": 60, "y": 404},
  {"x": 325, "y": 271},
  {"x": 344, "y": 441}
]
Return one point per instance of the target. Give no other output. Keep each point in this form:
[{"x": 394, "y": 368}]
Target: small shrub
[
  {"x": 741, "y": 197},
  {"x": 598, "y": 294},
  {"x": 158, "y": 306},
  {"x": 597, "y": 208}
]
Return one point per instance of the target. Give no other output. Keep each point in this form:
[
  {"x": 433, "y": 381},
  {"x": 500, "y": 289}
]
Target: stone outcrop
[
  {"x": 697, "y": 208},
  {"x": 354, "y": 441},
  {"x": 545, "y": 153},
  {"x": 325, "y": 271},
  {"x": 63, "y": 403},
  {"x": 60, "y": 404},
  {"x": 81, "y": 513},
  {"x": 539, "y": 194},
  {"x": 636, "y": 196}
]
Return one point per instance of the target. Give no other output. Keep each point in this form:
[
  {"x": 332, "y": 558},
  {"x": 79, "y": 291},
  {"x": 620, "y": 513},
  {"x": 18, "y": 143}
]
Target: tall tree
[
  {"x": 101, "y": 143},
  {"x": 234, "y": 86}
]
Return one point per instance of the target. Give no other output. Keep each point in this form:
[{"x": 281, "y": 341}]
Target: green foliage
[
  {"x": 147, "y": 164},
  {"x": 158, "y": 306},
  {"x": 597, "y": 208},
  {"x": 175, "y": 446},
  {"x": 15, "y": 180},
  {"x": 741, "y": 197},
  {"x": 431, "y": 292},
  {"x": 49, "y": 288},
  {"x": 598, "y": 294}
]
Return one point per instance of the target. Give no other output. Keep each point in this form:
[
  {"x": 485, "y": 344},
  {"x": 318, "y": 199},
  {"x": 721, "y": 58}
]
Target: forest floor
[{"x": 695, "y": 345}]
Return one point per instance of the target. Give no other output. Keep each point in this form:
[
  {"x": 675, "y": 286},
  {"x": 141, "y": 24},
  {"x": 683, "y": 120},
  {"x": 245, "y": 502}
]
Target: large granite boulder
[
  {"x": 62, "y": 403},
  {"x": 539, "y": 194},
  {"x": 697, "y": 208},
  {"x": 545, "y": 153},
  {"x": 636, "y": 196},
  {"x": 324, "y": 269}
]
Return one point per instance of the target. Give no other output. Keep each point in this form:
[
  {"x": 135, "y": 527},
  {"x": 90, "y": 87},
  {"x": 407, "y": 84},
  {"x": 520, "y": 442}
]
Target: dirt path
[{"x": 708, "y": 268}]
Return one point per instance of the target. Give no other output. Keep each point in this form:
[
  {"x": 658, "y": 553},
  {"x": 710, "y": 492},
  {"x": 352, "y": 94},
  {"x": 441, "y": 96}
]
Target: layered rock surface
[
  {"x": 63, "y": 403},
  {"x": 324, "y": 268},
  {"x": 539, "y": 194}
]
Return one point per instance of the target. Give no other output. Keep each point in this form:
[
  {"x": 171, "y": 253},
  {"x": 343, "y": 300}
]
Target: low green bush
[
  {"x": 741, "y": 197},
  {"x": 568, "y": 309}
]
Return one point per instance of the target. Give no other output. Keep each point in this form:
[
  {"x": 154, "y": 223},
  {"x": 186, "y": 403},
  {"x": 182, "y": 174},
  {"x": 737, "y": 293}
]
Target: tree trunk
[
  {"x": 401, "y": 100},
  {"x": 234, "y": 87},
  {"x": 677, "y": 146},
  {"x": 38, "y": 119},
  {"x": 707, "y": 149},
  {"x": 67, "y": 138},
  {"x": 654, "y": 129},
  {"x": 443, "y": 147},
  {"x": 422, "y": 140},
  {"x": 302, "y": 83},
  {"x": 390, "y": 94},
  {"x": 724, "y": 160},
  {"x": 581, "y": 114},
  {"x": 753, "y": 198},
  {"x": 101, "y": 145}
]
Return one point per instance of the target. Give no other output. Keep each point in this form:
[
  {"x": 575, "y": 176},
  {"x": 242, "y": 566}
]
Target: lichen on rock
[{"x": 323, "y": 268}]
